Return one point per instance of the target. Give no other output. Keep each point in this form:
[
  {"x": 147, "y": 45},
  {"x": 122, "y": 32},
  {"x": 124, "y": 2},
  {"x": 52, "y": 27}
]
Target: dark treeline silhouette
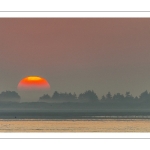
[
  {"x": 90, "y": 96},
  {"x": 9, "y": 96},
  {"x": 144, "y": 96},
  {"x": 68, "y": 105},
  {"x": 59, "y": 97},
  {"x": 87, "y": 96},
  {"x": 118, "y": 97}
]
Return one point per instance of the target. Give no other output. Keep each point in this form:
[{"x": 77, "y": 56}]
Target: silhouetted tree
[
  {"x": 89, "y": 96},
  {"x": 108, "y": 96},
  {"x": 145, "y": 96},
  {"x": 75, "y": 96},
  {"x": 103, "y": 98},
  {"x": 118, "y": 97},
  {"x": 9, "y": 96},
  {"x": 56, "y": 95},
  {"x": 64, "y": 96},
  {"x": 136, "y": 98},
  {"x": 45, "y": 97},
  {"x": 128, "y": 96}
]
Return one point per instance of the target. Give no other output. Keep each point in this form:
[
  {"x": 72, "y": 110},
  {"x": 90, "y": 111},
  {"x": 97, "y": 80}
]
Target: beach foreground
[{"x": 110, "y": 125}]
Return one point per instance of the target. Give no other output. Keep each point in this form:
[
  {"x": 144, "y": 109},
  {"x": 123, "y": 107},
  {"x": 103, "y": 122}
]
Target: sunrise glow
[{"x": 33, "y": 83}]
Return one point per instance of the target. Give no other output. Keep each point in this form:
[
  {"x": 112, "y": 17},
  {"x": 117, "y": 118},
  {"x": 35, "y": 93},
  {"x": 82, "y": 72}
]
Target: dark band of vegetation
[
  {"x": 67, "y": 105},
  {"x": 90, "y": 96}
]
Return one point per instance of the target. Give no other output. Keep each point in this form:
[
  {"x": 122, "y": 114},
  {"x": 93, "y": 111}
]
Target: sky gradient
[{"x": 77, "y": 54}]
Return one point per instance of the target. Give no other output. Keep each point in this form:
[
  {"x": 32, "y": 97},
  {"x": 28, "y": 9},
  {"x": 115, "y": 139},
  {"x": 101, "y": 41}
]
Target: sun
[{"x": 33, "y": 83}]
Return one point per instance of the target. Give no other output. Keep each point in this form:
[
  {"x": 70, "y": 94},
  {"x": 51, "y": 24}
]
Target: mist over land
[{"x": 68, "y": 105}]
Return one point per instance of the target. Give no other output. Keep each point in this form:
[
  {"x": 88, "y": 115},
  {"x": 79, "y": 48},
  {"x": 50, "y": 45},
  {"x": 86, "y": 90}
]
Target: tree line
[
  {"x": 91, "y": 96},
  {"x": 9, "y": 96},
  {"x": 87, "y": 96},
  {"x": 83, "y": 97}
]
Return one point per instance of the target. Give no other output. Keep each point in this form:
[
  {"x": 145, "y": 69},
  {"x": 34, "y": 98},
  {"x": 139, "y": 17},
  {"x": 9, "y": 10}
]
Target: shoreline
[{"x": 101, "y": 118}]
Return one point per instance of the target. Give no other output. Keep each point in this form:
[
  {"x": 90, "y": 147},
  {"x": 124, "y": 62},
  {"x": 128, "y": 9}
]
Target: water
[{"x": 75, "y": 125}]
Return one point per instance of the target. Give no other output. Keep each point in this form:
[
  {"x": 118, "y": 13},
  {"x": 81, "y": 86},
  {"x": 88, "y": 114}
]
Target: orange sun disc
[{"x": 33, "y": 83}]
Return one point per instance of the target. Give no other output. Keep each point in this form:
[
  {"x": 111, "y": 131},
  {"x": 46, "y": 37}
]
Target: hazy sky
[{"x": 76, "y": 55}]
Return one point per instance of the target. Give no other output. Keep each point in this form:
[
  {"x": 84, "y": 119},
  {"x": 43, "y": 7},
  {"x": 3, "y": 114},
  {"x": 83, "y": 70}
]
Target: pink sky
[{"x": 75, "y": 55}]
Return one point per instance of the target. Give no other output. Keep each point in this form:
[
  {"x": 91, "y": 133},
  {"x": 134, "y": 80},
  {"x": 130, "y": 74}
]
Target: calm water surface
[{"x": 82, "y": 125}]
